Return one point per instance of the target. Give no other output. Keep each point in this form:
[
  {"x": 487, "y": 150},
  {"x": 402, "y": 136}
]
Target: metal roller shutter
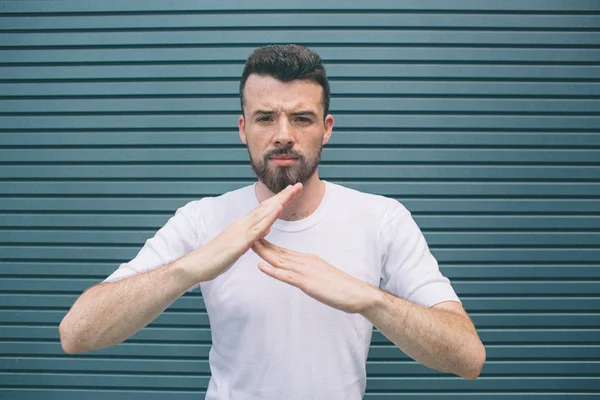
[{"x": 482, "y": 117}]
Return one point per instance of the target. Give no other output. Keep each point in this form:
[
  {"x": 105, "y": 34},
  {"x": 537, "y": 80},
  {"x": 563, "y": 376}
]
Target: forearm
[
  {"x": 440, "y": 339},
  {"x": 109, "y": 313}
]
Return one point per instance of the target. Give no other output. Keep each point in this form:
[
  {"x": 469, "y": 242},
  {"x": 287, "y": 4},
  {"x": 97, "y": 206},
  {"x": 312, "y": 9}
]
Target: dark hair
[{"x": 286, "y": 63}]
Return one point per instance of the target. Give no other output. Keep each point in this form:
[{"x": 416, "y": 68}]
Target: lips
[
  {"x": 284, "y": 161},
  {"x": 284, "y": 158}
]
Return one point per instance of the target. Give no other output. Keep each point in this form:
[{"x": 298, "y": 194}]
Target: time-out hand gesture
[{"x": 223, "y": 251}]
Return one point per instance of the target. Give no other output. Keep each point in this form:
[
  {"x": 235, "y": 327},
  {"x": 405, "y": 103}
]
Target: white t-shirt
[{"x": 270, "y": 339}]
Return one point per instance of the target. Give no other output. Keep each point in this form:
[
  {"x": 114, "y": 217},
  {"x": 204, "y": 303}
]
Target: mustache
[{"x": 283, "y": 152}]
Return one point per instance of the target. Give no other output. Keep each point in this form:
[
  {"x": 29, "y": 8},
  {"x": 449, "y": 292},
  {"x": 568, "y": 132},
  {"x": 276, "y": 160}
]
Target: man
[{"x": 294, "y": 271}]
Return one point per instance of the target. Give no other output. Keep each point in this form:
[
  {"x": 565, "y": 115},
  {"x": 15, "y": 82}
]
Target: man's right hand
[
  {"x": 109, "y": 313},
  {"x": 218, "y": 255}
]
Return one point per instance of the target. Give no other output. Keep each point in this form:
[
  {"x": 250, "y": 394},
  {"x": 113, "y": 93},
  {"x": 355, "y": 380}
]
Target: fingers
[
  {"x": 286, "y": 196},
  {"x": 258, "y": 222},
  {"x": 268, "y": 254},
  {"x": 286, "y": 276},
  {"x": 273, "y": 205},
  {"x": 261, "y": 227},
  {"x": 265, "y": 245},
  {"x": 277, "y": 256},
  {"x": 255, "y": 225}
]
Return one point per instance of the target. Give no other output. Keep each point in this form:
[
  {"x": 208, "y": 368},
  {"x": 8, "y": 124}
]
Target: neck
[{"x": 305, "y": 203}]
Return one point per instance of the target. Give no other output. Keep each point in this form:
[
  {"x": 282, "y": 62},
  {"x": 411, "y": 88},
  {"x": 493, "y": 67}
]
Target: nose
[{"x": 283, "y": 136}]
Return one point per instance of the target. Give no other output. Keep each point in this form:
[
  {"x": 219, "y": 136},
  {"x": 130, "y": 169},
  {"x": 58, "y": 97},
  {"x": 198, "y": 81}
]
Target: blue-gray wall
[{"x": 482, "y": 117}]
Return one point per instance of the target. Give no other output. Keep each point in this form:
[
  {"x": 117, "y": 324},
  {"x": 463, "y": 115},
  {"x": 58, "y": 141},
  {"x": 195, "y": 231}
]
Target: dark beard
[{"x": 279, "y": 178}]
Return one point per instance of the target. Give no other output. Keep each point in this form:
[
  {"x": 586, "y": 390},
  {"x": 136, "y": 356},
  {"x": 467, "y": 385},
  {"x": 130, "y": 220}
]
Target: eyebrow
[
  {"x": 309, "y": 113},
  {"x": 295, "y": 114},
  {"x": 261, "y": 112}
]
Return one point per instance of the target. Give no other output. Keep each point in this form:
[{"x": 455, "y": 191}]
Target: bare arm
[
  {"x": 441, "y": 337},
  {"x": 109, "y": 313}
]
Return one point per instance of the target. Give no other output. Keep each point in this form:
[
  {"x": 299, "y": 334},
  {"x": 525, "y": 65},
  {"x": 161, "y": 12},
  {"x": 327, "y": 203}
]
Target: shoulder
[
  {"x": 358, "y": 201},
  {"x": 216, "y": 212}
]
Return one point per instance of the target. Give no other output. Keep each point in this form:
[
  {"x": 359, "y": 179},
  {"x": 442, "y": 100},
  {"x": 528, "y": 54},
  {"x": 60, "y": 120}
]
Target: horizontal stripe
[
  {"x": 400, "y": 138},
  {"x": 530, "y": 287},
  {"x": 200, "y": 319},
  {"x": 328, "y": 172},
  {"x": 387, "y": 352},
  {"x": 483, "y": 383},
  {"x": 504, "y": 395},
  {"x": 129, "y": 221},
  {"x": 239, "y": 154},
  {"x": 355, "y": 76},
  {"x": 355, "y": 121},
  {"x": 339, "y": 6},
  {"x": 374, "y": 368},
  {"x": 376, "y": 383},
  {"x": 128, "y": 205},
  {"x": 156, "y": 335},
  {"x": 394, "y": 87},
  {"x": 55, "y": 296},
  {"x": 329, "y": 54},
  {"x": 466, "y": 239},
  {"x": 344, "y": 105},
  {"x": 358, "y": 19},
  {"x": 406, "y": 368},
  {"x": 441, "y": 188},
  {"x": 111, "y": 380},
  {"x": 313, "y": 36},
  {"x": 140, "y": 394},
  {"x": 455, "y": 255}
]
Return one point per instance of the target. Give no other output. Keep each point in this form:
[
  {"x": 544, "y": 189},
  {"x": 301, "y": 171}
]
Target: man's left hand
[{"x": 315, "y": 277}]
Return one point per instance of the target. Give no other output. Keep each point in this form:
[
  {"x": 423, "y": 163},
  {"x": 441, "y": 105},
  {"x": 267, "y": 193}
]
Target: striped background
[{"x": 482, "y": 117}]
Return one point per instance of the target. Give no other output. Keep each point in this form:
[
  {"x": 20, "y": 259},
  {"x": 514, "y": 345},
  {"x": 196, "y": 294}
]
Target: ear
[
  {"x": 328, "y": 128},
  {"x": 242, "y": 129}
]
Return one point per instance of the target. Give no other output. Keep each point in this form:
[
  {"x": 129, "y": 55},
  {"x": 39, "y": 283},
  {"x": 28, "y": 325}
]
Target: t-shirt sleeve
[
  {"x": 181, "y": 234},
  {"x": 409, "y": 269}
]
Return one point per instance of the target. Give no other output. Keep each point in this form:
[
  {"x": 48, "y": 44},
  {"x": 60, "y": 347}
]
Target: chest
[{"x": 245, "y": 293}]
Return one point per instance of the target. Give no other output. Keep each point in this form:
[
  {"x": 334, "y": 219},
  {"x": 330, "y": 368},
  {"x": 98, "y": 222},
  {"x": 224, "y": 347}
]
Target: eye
[
  {"x": 264, "y": 119},
  {"x": 303, "y": 120}
]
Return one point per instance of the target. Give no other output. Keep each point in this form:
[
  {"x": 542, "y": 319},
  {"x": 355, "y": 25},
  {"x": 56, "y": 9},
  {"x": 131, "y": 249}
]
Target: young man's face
[{"x": 284, "y": 129}]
